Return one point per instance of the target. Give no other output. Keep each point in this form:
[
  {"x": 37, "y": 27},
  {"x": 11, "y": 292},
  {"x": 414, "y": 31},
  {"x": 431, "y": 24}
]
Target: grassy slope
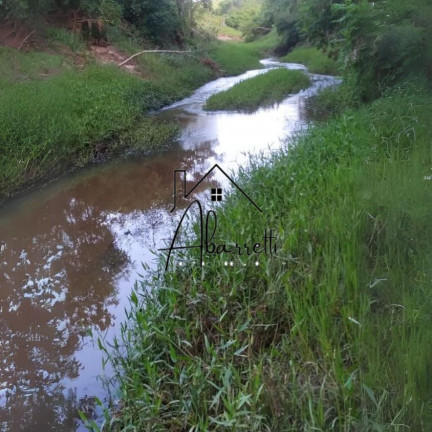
[
  {"x": 16, "y": 66},
  {"x": 53, "y": 115},
  {"x": 314, "y": 59},
  {"x": 238, "y": 57},
  {"x": 333, "y": 334},
  {"x": 261, "y": 90}
]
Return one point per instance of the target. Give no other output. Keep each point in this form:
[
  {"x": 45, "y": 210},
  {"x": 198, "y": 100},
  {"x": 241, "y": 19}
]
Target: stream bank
[
  {"x": 330, "y": 333},
  {"x": 72, "y": 251},
  {"x": 52, "y": 125},
  {"x": 66, "y": 107}
]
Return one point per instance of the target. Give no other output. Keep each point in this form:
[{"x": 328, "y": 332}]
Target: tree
[{"x": 158, "y": 21}]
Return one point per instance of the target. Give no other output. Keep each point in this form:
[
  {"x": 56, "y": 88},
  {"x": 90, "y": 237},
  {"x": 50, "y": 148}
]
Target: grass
[
  {"x": 333, "y": 101},
  {"x": 262, "y": 90},
  {"x": 17, "y": 66},
  {"x": 333, "y": 334},
  {"x": 314, "y": 59},
  {"x": 235, "y": 58},
  {"x": 238, "y": 57},
  {"x": 177, "y": 75},
  {"x": 54, "y": 116},
  {"x": 265, "y": 44},
  {"x": 62, "y": 37},
  {"x": 68, "y": 120}
]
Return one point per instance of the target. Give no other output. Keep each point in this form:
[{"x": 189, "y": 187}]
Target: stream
[{"x": 71, "y": 251}]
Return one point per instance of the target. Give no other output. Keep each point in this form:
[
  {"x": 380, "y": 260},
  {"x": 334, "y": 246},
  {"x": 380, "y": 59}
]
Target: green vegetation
[
  {"x": 314, "y": 59},
  {"x": 54, "y": 116},
  {"x": 331, "y": 333},
  {"x": 262, "y": 90},
  {"x": 266, "y": 43},
  {"x": 176, "y": 76},
  {"x": 61, "y": 111},
  {"x": 239, "y": 14},
  {"x": 236, "y": 58},
  {"x": 16, "y": 66},
  {"x": 215, "y": 25},
  {"x": 66, "y": 120},
  {"x": 62, "y": 37},
  {"x": 163, "y": 22},
  {"x": 333, "y": 101},
  {"x": 233, "y": 18},
  {"x": 379, "y": 43}
]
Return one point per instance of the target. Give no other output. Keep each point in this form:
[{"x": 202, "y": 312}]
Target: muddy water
[{"x": 70, "y": 253}]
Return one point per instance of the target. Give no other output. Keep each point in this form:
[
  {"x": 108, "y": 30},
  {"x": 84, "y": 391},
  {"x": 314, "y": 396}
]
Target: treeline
[
  {"x": 378, "y": 42},
  {"x": 162, "y": 21}
]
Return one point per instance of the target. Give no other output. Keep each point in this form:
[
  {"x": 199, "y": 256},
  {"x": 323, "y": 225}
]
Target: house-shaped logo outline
[{"x": 186, "y": 194}]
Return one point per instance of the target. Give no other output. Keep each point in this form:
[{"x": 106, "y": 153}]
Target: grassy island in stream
[{"x": 262, "y": 90}]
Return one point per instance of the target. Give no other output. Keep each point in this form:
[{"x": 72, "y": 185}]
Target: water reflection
[
  {"x": 71, "y": 252},
  {"x": 58, "y": 278},
  {"x": 64, "y": 263}
]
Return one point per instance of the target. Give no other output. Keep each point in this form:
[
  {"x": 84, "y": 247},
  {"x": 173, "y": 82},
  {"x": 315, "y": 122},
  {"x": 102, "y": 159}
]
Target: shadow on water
[{"x": 71, "y": 252}]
